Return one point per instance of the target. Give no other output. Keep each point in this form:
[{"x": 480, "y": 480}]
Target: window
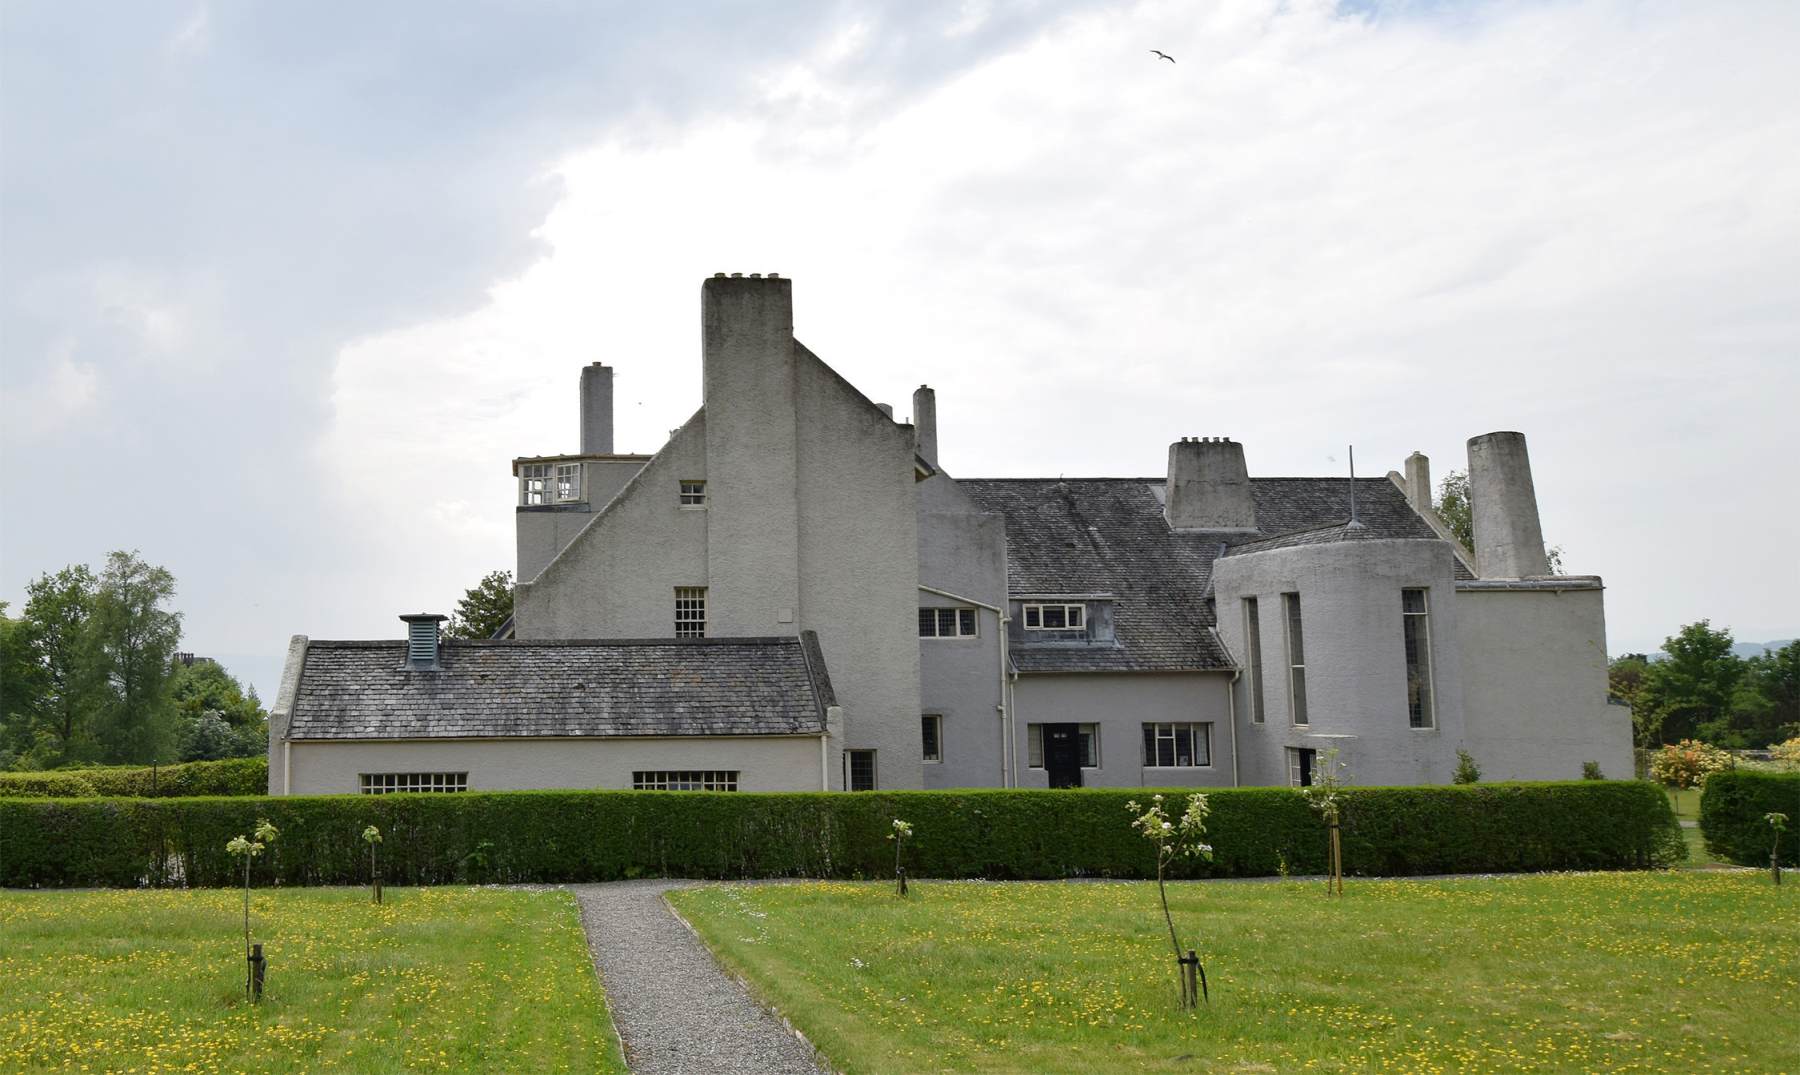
[
  {"x": 568, "y": 481},
  {"x": 690, "y": 612},
  {"x": 1055, "y": 617},
  {"x": 1296, "y": 655},
  {"x": 862, "y": 770},
  {"x": 947, "y": 623},
  {"x": 1300, "y": 766},
  {"x": 1090, "y": 745},
  {"x": 534, "y": 483},
  {"x": 1414, "y": 626},
  {"x": 386, "y": 783},
  {"x": 684, "y": 780},
  {"x": 931, "y": 736},
  {"x": 1253, "y": 651},
  {"x": 1178, "y": 745},
  {"x": 693, "y": 494}
]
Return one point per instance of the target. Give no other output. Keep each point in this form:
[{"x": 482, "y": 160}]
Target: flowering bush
[
  {"x": 1787, "y": 754},
  {"x": 1688, "y": 763}
]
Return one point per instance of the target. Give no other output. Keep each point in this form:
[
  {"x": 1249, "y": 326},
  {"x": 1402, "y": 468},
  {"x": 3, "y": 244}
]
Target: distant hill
[{"x": 1757, "y": 649}]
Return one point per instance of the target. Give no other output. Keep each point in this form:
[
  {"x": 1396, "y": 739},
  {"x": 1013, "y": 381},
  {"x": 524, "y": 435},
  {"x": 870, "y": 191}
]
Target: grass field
[
  {"x": 1630, "y": 972},
  {"x": 444, "y": 979}
]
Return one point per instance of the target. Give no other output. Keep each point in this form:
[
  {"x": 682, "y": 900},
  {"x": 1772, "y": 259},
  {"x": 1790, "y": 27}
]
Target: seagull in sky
[{"x": 1164, "y": 55}]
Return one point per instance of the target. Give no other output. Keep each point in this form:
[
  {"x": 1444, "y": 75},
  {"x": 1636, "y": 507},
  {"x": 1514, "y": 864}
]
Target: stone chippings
[
  {"x": 739, "y": 686},
  {"x": 675, "y": 1010},
  {"x": 1109, "y": 535}
]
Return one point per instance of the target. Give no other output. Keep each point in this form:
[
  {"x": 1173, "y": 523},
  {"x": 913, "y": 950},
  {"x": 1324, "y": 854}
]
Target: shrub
[
  {"x": 1467, "y": 772},
  {"x": 232, "y": 776},
  {"x": 1733, "y": 810},
  {"x": 45, "y": 785},
  {"x": 1590, "y": 770},
  {"x": 1787, "y": 754},
  {"x": 1688, "y": 764},
  {"x": 549, "y": 836}
]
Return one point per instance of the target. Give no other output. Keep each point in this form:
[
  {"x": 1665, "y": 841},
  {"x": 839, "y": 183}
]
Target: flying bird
[{"x": 1164, "y": 55}]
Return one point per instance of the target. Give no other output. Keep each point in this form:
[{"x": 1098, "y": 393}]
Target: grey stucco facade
[{"x": 1004, "y": 632}]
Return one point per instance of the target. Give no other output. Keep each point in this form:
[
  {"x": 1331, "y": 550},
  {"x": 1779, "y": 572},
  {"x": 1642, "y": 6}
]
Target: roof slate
[
  {"x": 631, "y": 687},
  {"x": 1109, "y": 535}
]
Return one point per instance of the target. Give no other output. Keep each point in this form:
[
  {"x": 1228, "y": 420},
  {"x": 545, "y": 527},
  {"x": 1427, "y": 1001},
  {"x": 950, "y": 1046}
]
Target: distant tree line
[
  {"x": 1699, "y": 689},
  {"x": 90, "y": 674}
]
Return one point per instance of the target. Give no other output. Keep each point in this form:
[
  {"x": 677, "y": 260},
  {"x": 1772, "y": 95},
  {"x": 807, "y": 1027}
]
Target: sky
[{"x": 283, "y": 290}]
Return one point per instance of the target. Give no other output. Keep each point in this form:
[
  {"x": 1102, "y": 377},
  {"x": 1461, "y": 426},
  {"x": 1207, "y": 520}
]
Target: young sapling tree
[
  {"x": 902, "y": 832},
  {"x": 1175, "y": 839},
  {"x": 372, "y": 836},
  {"x": 1326, "y": 796},
  {"x": 1777, "y": 822},
  {"x": 248, "y": 849}
]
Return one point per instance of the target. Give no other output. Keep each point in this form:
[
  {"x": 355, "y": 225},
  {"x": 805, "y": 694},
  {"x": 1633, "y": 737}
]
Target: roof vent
[{"x": 422, "y": 640}]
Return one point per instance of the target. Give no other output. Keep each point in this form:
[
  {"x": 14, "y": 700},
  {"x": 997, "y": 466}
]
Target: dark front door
[{"x": 1062, "y": 755}]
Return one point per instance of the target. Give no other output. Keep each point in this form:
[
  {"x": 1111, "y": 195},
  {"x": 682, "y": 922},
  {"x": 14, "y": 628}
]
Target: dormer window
[
  {"x": 549, "y": 483},
  {"x": 1039, "y": 617},
  {"x": 568, "y": 481},
  {"x": 534, "y": 483}
]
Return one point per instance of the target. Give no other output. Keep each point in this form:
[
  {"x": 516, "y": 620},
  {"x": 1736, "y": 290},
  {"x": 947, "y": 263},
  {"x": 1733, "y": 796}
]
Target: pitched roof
[
  {"x": 576, "y": 688},
  {"x": 1109, "y": 535}
]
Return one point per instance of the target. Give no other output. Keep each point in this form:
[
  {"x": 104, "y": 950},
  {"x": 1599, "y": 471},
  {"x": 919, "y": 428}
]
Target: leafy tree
[
  {"x": 22, "y": 688},
  {"x": 201, "y": 688},
  {"x": 58, "y": 614},
  {"x": 1453, "y": 507},
  {"x": 134, "y": 639},
  {"x": 1693, "y": 685},
  {"x": 484, "y": 608},
  {"x": 1467, "y": 772},
  {"x": 1766, "y": 708}
]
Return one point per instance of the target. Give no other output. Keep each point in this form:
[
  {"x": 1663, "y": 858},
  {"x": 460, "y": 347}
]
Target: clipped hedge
[
  {"x": 231, "y": 776},
  {"x": 548, "y": 836},
  {"x": 1732, "y": 808}
]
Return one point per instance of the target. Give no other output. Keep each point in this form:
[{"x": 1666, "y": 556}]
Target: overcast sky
[{"x": 284, "y": 289}]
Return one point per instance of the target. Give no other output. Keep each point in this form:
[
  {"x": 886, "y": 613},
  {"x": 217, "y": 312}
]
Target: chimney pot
[
  {"x": 1509, "y": 540},
  {"x": 887, "y": 409},
  {"x": 1208, "y": 486}
]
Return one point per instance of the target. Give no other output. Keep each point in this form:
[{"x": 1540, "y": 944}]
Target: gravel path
[{"x": 676, "y": 1011}]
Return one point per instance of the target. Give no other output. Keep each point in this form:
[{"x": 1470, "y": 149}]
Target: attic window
[
  {"x": 1055, "y": 617},
  {"x": 693, "y": 494},
  {"x": 568, "y": 481},
  {"x": 549, "y": 483},
  {"x": 947, "y": 623},
  {"x": 690, "y": 612}
]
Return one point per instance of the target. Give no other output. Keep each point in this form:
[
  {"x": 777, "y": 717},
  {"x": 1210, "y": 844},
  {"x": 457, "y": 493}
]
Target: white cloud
[
  {"x": 1574, "y": 219},
  {"x": 64, "y": 390}
]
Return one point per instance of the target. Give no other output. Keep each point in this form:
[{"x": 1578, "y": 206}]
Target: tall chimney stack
[
  {"x": 1509, "y": 541},
  {"x": 596, "y": 409},
  {"x": 1209, "y": 486},
  {"x": 1418, "y": 482},
  {"x": 924, "y": 418}
]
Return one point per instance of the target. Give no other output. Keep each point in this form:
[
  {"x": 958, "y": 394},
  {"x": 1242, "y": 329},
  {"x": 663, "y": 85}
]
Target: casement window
[
  {"x": 388, "y": 783},
  {"x": 684, "y": 780},
  {"x": 862, "y": 769},
  {"x": 1040, "y": 617},
  {"x": 931, "y": 736},
  {"x": 693, "y": 494},
  {"x": 1300, "y": 766},
  {"x": 1253, "y": 654},
  {"x": 549, "y": 483},
  {"x": 1183, "y": 746},
  {"x": 947, "y": 623},
  {"x": 1296, "y": 658},
  {"x": 1415, "y": 629},
  {"x": 690, "y": 612},
  {"x": 1090, "y": 745}
]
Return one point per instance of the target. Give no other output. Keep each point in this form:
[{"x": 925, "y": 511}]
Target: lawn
[
  {"x": 1573, "y": 972},
  {"x": 440, "y": 979}
]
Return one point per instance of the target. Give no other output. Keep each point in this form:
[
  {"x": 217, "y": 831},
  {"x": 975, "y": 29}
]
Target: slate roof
[
  {"x": 1108, "y": 535},
  {"x": 631, "y": 687}
]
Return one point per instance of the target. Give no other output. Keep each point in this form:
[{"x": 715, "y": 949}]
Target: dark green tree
[
  {"x": 58, "y": 615},
  {"x": 1693, "y": 685},
  {"x": 484, "y": 608},
  {"x": 1766, "y": 709},
  {"x": 134, "y": 640},
  {"x": 23, "y": 687},
  {"x": 202, "y": 692}
]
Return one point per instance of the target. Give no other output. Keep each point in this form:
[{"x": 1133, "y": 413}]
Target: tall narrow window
[
  {"x": 1296, "y": 655},
  {"x": 1415, "y": 627},
  {"x": 931, "y": 736},
  {"x": 862, "y": 770},
  {"x": 1253, "y": 652},
  {"x": 693, "y": 494},
  {"x": 690, "y": 612},
  {"x": 534, "y": 483},
  {"x": 568, "y": 481}
]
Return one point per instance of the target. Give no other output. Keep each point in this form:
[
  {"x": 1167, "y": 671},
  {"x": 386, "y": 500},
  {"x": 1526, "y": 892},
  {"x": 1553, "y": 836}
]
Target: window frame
[
  {"x": 566, "y": 483},
  {"x": 1032, "y": 616},
  {"x": 680, "y": 779},
  {"x": 1294, "y": 629},
  {"x": 931, "y": 734},
  {"x": 691, "y": 626},
  {"x": 412, "y": 783},
  {"x": 535, "y": 484},
  {"x": 1253, "y": 659},
  {"x": 1294, "y": 767},
  {"x": 694, "y": 497},
  {"x": 1199, "y": 734},
  {"x": 1419, "y": 657},
  {"x": 961, "y": 616},
  {"x": 850, "y": 770}
]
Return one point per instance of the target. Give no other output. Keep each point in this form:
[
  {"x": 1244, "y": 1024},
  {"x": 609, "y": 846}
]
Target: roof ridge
[{"x": 517, "y": 643}]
